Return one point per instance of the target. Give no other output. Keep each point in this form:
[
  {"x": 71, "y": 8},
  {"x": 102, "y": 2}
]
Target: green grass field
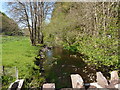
[{"x": 17, "y": 51}]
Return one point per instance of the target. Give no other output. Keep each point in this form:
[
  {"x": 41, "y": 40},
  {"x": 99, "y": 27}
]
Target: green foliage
[
  {"x": 100, "y": 50},
  {"x": 72, "y": 26},
  {"x": 9, "y": 26},
  {"x": 35, "y": 78},
  {"x": 71, "y": 47},
  {"x": 6, "y": 80}
]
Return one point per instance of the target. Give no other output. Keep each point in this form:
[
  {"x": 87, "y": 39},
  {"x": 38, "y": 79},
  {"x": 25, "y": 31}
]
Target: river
[{"x": 60, "y": 64}]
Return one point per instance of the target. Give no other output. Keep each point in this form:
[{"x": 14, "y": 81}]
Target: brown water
[{"x": 61, "y": 63}]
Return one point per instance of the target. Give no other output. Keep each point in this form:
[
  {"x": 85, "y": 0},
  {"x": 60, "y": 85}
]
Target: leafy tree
[{"x": 90, "y": 28}]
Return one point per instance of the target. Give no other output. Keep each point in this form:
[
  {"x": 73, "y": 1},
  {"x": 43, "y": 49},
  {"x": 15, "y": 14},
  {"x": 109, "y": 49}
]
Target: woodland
[{"x": 88, "y": 28}]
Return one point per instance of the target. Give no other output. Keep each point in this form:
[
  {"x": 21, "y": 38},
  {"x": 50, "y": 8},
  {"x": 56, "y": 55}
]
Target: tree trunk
[
  {"x": 104, "y": 18},
  {"x": 40, "y": 34}
]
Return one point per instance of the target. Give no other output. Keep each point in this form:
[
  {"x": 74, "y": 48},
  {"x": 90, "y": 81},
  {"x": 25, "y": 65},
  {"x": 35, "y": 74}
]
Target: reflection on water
[
  {"x": 49, "y": 54},
  {"x": 60, "y": 64}
]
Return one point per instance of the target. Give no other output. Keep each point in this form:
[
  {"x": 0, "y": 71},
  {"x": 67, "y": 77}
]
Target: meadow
[{"x": 18, "y": 52}]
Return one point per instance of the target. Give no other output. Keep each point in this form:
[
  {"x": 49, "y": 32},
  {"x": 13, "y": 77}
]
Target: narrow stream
[{"x": 61, "y": 63}]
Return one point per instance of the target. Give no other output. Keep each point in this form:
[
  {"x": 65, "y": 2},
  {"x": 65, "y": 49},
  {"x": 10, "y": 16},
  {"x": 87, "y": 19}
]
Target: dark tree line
[{"x": 9, "y": 26}]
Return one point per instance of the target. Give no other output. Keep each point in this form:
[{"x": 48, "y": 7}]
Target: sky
[{"x": 3, "y": 7}]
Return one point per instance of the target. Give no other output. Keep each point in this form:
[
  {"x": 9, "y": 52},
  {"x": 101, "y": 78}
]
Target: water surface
[{"x": 61, "y": 63}]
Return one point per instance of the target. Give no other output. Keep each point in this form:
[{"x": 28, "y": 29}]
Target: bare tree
[{"x": 32, "y": 15}]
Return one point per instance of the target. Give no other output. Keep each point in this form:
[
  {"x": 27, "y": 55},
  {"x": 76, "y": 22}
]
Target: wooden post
[
  {"x": 77, "y": 81},
  {"x": 0, "y": 85},
  {"x": 16, "y": 73},
  {"x": 3, "y": 70},
  {"x": 49, "y": 86},
  {"x": 101, "y": 80}
]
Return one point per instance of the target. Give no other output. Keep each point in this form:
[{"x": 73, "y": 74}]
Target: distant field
[{"x": 17, "y": 51}]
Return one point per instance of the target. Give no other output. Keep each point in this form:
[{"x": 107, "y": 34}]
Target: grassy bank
[{"x": 18, "y": 52}]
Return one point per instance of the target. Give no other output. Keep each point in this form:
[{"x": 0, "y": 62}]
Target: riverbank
[{"x": 60, "y": 63}]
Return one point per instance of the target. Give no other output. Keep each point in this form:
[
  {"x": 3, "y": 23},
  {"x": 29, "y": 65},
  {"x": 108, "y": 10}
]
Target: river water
[{"x": 60, "y": 64}]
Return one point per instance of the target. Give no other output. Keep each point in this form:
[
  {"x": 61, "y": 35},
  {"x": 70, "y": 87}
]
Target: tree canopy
[{"x": 90, "y": 28}]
